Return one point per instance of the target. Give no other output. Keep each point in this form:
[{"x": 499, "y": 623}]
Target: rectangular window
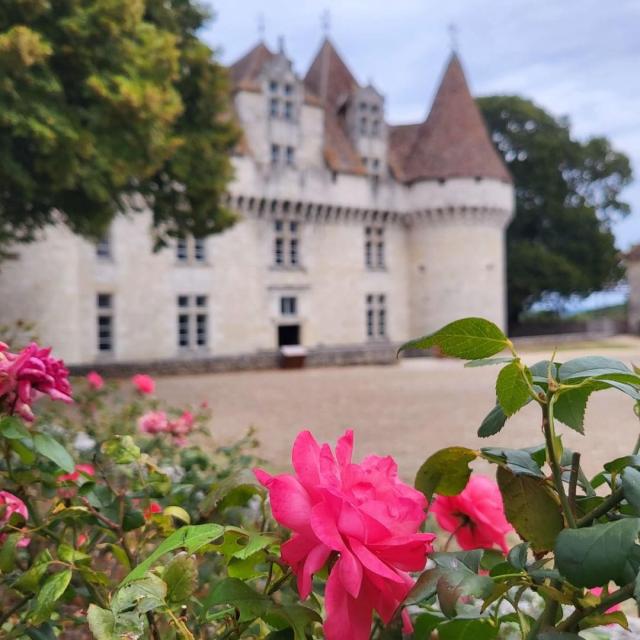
[
  {"x": 291, "y": 156},
  {"x": 286, "y": 247},
  {"x": 275, "y": 154},
  {"x": 273, "y": 86},
  {"x": 376, "y": 316},
  {"x": 363, "y": 126},
  {"x": 192, "y": 321},
  {"x": 274, "y": 107},
  {"x": 374, "y": 247},
  {"x": 288, "y": 89},
  {"x": 104, "y": 302},
  {"x": 103, "y": 247},
  {"x": 288, "y": 305},
  {"x": 288, "y": 110},
  {"x": 182, "y": 250},
  {"x": 375, "y": 128},
  {"x": 199, "y": 250}
]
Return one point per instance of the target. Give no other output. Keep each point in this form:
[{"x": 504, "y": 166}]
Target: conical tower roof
[
  {"x": 245, "y": 71},
  {"x": 453, "y": 141}
]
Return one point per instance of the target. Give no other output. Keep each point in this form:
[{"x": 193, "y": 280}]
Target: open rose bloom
[
  {"x": 11, "y": 504},
  {"x": 28, "y": 375},
  {"x": 475, "y": 516},
  {"x": 143, "y": 383},
  {"x": 359, "y": 518}
]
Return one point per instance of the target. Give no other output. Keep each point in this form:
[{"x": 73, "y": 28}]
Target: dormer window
[{"x": 281, "y": 100}]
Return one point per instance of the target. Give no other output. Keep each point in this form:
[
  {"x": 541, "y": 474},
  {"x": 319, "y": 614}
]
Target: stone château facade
[{"x": 352, "y": 232}]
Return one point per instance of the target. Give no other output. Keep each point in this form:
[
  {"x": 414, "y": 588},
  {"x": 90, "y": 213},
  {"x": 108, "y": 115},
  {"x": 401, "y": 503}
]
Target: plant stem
[
  {"x": 608, "y": 504},
  {"x": 622, "y": 594},
  {"x": 573, "y": 480},
  {"x": 554, "y": 463}
]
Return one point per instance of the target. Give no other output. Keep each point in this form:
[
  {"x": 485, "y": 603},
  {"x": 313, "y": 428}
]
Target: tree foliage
[
  {"x": 104, "y": 99},
  {"x": 567, "y": 196}
]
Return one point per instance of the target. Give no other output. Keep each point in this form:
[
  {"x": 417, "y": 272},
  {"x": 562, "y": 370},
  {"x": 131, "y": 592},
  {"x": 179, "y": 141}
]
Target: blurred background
[{"x": 259, "y": 202}]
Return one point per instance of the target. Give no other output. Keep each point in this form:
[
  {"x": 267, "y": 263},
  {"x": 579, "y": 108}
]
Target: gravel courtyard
[{"x": 408, "y": 410}]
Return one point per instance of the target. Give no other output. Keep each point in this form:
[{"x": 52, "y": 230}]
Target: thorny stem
[
  {"x": 554, "y": 463},
  {"x": 616, "y": 497}
]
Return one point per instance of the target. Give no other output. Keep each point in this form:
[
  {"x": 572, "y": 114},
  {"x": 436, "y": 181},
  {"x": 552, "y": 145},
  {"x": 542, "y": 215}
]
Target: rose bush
[{"x": 120, "y": 518}]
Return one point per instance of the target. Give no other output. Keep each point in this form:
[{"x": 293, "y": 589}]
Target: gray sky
[{"x": 579, "y": 58}]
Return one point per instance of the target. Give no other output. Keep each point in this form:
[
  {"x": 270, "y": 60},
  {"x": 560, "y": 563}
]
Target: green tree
[
  {"x": 107, "y": 105},
  {"x": 567, "y": 196}
]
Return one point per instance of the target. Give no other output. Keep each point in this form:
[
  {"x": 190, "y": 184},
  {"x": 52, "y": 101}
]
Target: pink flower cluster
[
  {"x": 27, "y": 375},
  {"x": 361, "y": 520},
  {"x": 143, "y": 383},
  {"x": 475, "y": 516},
  {"x": 155, "y": 422},
  {"x": 10, "y": 504},
  {"x": 95, "y": 380}
]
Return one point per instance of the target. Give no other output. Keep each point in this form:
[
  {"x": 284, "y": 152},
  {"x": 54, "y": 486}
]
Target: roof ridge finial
[
  {"x": 262, "y": 27},
  {"x": 325, "y": 21},
  {"x": 453, "y": 37}
]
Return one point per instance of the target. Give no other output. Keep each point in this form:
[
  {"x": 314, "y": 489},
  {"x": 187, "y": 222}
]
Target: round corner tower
[{"x": 460, "y": 201}]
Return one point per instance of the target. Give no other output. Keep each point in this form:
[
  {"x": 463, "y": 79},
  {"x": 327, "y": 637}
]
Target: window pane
[
  {"x": 273, "y": 85},
  {"x": 380, "y": 254},
  {"x": 293, "y": 227},
  {"x": 368, "y": 253},
  {"x": 363, "y": 126},
  {"x": 293, "y": 251},
  {"x": 275, "y": 153},
  {"x": 105, "y": 333},
  {"x": 288, "y": 110},
  {"x": 291, "y": 155},
  {"x": 103, "y": 247},
  {"x": 183, "y": 330},
  {"x": 288, "y": 89},
  {"x": 274, "y": 107},
  {"x": 183, "y": 301},
  {"x": 370, "y": 323},
  {"x": 104, "y": 301},
  {"x": 201, "y": 329},
  {"x": 277, "y": 225},
  {"x": 182, "y": 252},
  {"x": 288, "y": 305},
  {"x": 199, "y": 249},
  {"x": 382, "y": 322},
  {"x": 201, "y": 301},
  {"x": 278, "y": 251}
]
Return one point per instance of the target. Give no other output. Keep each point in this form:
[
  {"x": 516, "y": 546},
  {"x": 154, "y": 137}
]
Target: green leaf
[
  {"x": 493, "y": 423},
  {"x": 559, "y": 635},
  {"x": 24, "y": 451},
  {"x": 518, "y": 555},
  {"x": 589, "y": 367},
  {"x": 570, "y": 407},
  {"x": 519, "y": 461},
  {"x": 425, "y": 623},
  {"x": 631, "y": 487},
  {"x": 470, "y": 629},
  {"x": 293, "y": 616},
  {"x": 49, "y": 448},
  {"x": 484, "y": 362},
  {"x": 445, "y": 472},
  {"x": 143, "y": 595},
  {"x": 605, "y": 619},
  {"x": 51, "y": 591},
  {"x": 531, "y": 508},
  {"x": 595, "y": 555},
  {"x": 29, "y": 581},
  {"x": 68, "y": 554},
  {"x": 512, "y": 390},
  {"x": 191, "y": 537},
  {"x": 470, "y": 338},
  {"x": 181, "y": 576},
  {"x": 249, "y": 603},
  {"x": 8, "y": 552},
  {"x": 121, "y": 449},
  {"x": 617, "y": 465},
  {"x": 102, "y": 623},
  {"x": 13, "y": 428},
  {"x": 177, "y": 512}
]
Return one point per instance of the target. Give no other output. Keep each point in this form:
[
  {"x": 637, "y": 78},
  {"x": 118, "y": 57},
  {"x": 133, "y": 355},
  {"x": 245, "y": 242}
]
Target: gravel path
[{"x": 408, "y": 410}]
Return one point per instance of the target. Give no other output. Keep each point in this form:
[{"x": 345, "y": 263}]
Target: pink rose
[
  {"x": 476, "y": 516},
  {"x": 153, "y": 422},
  {"x": 361, "y": 520},
  {"x": 181, "y": 428},
  {"x": 26, "y": 376},
  {"x": 69, "y": 480},
  {"x": 143, "y": 383},
  {"x": 10, "y": 504},
  {"x": 95, "y": 380}
]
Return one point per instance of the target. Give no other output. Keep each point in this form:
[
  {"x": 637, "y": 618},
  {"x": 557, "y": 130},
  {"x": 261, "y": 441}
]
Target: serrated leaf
[
  {"x": 596, "y": 366},
  {"x": 469, "y": 338},
  {"x": 570, "y": 407},
  {"x": 102, "y": 623},
  {"x": 181, "y": 576},
  {"x": 191, "y": 537},
  {"x": 445, "y": 472},
  {"x": 595, "y": 555},
  {"x": 512, "y": 390},
  {"x": 493, "y": 423},
  {"x": 46, "y": 446},
  {"x": 51, "y": 591},
  {"x": 143, "y": 595},
  {"x": 531, "y": 508},
  {"x": 249, "y": 603}
]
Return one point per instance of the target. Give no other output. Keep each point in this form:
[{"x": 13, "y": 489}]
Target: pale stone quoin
[{"x": 352, "y": 232}]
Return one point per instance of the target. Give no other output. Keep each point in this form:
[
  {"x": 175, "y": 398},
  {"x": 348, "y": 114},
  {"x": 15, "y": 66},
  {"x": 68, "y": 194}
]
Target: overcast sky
[{"x": 579, "y": 58}]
